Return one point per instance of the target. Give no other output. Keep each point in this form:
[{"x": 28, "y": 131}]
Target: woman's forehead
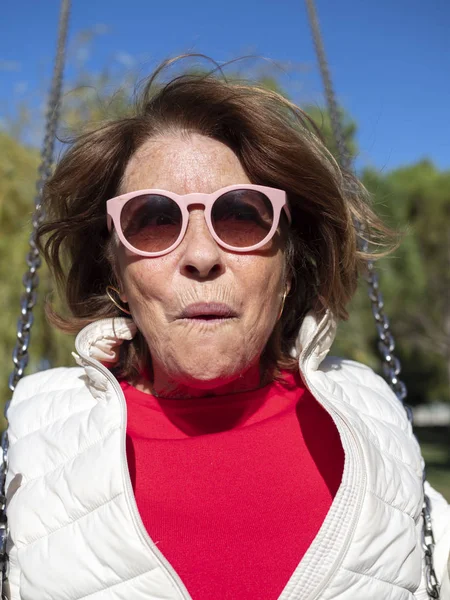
[{"x": 183, "y": 164}]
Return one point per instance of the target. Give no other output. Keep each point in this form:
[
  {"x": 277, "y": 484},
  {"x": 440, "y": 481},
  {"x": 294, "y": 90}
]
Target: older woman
[{"x": 205, "y": 448}]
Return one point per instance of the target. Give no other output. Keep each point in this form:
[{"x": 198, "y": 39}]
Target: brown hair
[{"x": 277, "y": 144}]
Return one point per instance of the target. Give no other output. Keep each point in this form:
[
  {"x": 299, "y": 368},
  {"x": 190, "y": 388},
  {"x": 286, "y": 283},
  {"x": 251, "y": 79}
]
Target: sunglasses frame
[{"x": 278, "y": 199}]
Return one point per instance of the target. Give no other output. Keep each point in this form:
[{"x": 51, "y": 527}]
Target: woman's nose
[{"x": 202, "y": 256}]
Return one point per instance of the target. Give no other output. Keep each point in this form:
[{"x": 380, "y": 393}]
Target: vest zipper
[
  {"x": 359, "y": 477},
  {"x": 183, "y": 594},
  {"x": 360, "y": 482}
]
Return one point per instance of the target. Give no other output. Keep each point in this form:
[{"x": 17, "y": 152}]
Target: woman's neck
[{"x": 164, "y": 386}]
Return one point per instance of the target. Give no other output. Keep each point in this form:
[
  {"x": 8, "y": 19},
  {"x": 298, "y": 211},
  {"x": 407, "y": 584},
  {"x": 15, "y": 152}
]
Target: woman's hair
[{"x": 278, "y": 146}]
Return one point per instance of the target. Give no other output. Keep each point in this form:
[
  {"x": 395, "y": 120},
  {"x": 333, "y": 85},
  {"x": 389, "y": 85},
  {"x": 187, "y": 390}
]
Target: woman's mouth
[{"x": 207, "y": 312}]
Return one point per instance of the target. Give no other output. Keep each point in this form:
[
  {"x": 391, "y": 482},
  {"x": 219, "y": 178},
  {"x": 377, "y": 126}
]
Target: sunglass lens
[
  {"x": 242, "y": 218},
  {"x": 151, "y": 223}
]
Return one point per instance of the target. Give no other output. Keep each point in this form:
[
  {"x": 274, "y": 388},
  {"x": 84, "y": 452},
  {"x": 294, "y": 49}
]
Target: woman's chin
[
  {"x": 208, "y": 377},
  {"x": 202, "y": 376},
  {"x": 206, "y": 362}
]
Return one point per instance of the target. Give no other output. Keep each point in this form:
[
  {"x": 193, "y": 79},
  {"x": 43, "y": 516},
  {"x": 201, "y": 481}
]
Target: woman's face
[{"x": 198, "y": 355}]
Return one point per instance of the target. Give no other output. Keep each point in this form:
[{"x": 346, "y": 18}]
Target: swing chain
[
  {"x": 386, "y": 343},
  {"x": 428, "y": 547},
  {"x": 31, "y": 278}
]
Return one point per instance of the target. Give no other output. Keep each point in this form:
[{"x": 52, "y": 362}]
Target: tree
[
  {"x": 18, "y": 167},
  {"x": 322, "y": 119},
  {"x": 417, "y": 283}
]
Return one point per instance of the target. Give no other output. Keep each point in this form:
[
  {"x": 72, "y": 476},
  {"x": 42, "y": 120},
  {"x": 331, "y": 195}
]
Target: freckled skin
[{"x": 190, "y": 359}]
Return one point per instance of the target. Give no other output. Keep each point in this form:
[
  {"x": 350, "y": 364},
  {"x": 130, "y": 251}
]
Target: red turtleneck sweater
[{"x": 233, "y": 489}]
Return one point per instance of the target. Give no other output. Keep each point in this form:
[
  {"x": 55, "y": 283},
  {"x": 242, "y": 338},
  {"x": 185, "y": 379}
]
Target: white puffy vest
[{"x": 75, "y": 531}]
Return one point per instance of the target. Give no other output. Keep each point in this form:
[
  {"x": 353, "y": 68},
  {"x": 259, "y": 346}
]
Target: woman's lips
[{"x": 207, "y": 311}]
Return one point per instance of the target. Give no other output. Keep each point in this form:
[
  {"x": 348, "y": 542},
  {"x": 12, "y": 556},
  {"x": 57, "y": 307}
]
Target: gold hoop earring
[
  {"x": 114, "y": 301},
  {"x": 282, "y": 305}
]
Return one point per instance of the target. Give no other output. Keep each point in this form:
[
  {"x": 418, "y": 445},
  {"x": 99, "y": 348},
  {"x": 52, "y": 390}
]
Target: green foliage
[
  {"x": 415, "y": 280},
  {"x": 18, "y": 169},
  {"x": 322, "y": 120}
]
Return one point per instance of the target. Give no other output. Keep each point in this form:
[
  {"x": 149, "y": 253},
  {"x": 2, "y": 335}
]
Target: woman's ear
[{"x": 288, "y": 284}]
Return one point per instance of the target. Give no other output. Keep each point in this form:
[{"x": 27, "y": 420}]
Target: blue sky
[{"x": 390, "y": 59}]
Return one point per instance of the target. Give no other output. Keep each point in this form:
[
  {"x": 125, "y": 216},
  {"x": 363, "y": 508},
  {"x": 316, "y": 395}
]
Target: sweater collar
[{"x": 102, "y": 339}]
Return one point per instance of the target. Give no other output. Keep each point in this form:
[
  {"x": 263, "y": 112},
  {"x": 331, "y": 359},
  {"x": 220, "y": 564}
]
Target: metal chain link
[
  {"x": 386, "y": 343},
  {"x": 31, "y": 279}
]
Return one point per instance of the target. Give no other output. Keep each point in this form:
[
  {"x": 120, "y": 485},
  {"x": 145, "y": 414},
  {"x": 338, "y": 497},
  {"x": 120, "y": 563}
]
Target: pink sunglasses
[{"x": 239, "y": 217}]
